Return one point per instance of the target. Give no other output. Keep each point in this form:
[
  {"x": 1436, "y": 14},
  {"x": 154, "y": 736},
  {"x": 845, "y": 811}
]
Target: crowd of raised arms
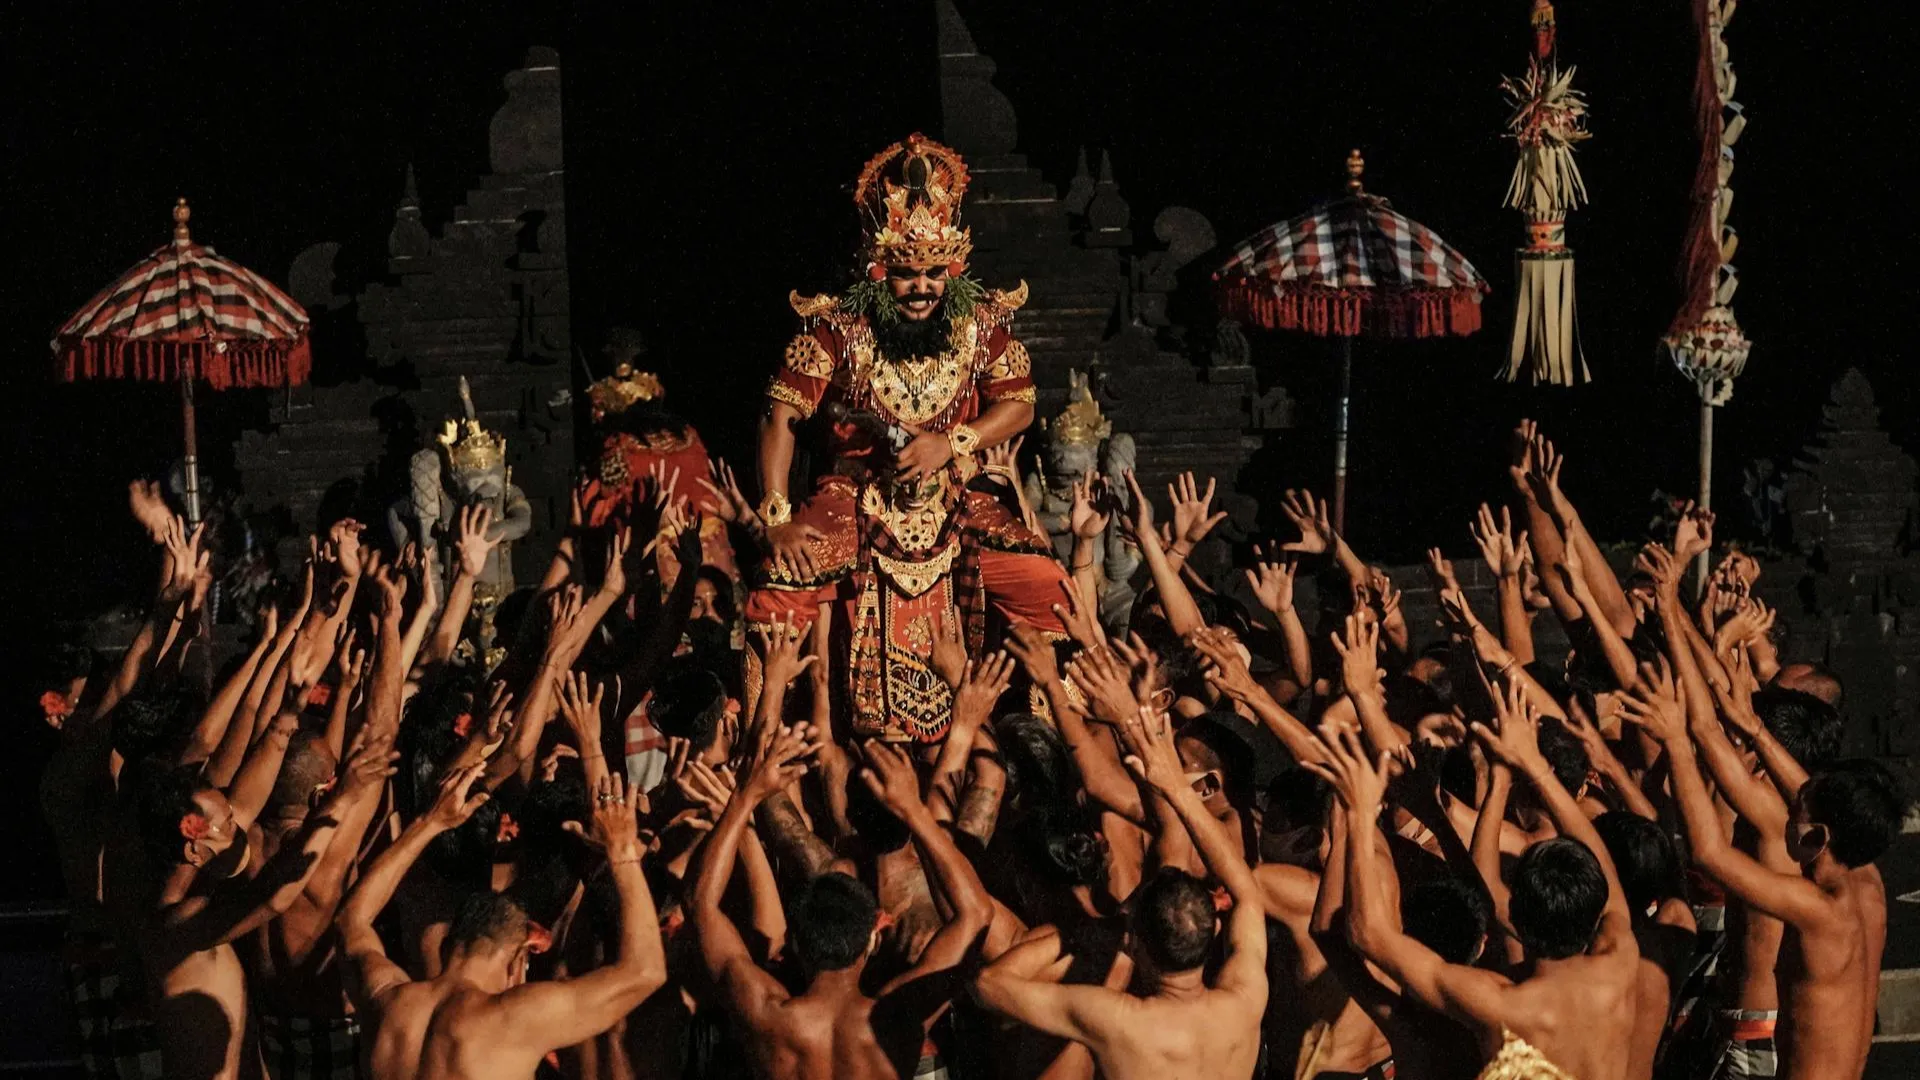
[{"x": 1220, "y": 839}]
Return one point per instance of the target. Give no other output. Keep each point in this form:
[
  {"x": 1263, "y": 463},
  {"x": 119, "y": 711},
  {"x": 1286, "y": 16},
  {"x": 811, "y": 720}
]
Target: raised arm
[
  {"x": 1471, "y": 995},
  {"x": 1102, "y": 681},
  {"x": 1655, "y": 706},
  {"x": 1505, "y": 558},
  {"x": 241, "y": 907},
  {"x": 1183, "y": 615},
  {"x": 1359, "y": 649},
  {"x": 744, "y": 985},
  {"x": 1150, "y": 743},
  {"x": 551, "y": 1015},
  {"x": 890, "y": 776},
  {"x": 471, "y": 546},
  {"x": 1272, "y": 584},
  {"x": 1544, "y": 478},
  {"x": 370, "y": 974},
  {"x": 1024, "y": 984},
  {"x": 211, "y": 733},
  {"x": 1229, "y": 673}
]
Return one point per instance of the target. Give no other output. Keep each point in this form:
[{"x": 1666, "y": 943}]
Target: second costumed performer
[{"x": 914, "y": 373}]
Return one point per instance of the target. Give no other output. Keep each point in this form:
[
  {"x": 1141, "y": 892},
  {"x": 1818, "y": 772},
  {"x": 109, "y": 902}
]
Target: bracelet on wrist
[
  {"x": 775, "y": 510},
  {"x": 963, "y": 439}
]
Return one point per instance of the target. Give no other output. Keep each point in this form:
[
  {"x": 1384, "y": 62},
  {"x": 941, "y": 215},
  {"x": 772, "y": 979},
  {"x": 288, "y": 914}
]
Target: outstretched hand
[
  {"x": 1311, "y": 518},
  {"x": 1515, "y": 737},
  {"x": 1358, "y": 782},
  {"x": 453, "y": 806},
  {"x": 1148, "y": 736},
  {"x": 616, "y": 828},
  {"x": 1192, "y": 519},
  {"x": 780, "y": 650},
  {"x": 889, "y": 775},
  {"x": 580, "y": 705},
  {"x": 980, "y": 687},
  {"x": 470, "y": 539},
  {"x": 1654, "y": 704},
  {"x": 1272, "y": 581},
  {"x": 1085, "y": 517}
]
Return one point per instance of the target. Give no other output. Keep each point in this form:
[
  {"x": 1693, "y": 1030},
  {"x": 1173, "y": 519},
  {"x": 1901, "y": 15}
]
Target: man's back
[
  {"x": 1210, "y": 1035},
  {"x": 816, "y": 1037},
  {"x": 1579, "y": 1013},
  {"x": 467, "y": 1037},
  {"x": 400, "y": 1020},
  {"x": 1829, "y": 985}
]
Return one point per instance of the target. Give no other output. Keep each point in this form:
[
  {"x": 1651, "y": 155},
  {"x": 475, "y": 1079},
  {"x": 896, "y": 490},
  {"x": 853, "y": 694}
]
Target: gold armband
[
  {"x": 775, "y": 510},
  {"x": 964, "y": 440}
]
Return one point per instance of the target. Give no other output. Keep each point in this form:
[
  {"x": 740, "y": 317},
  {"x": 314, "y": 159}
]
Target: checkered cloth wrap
[
  {"x": 311, "y": 1048},
  {"x": 184, "y": 308},
  {"x": 1349, "y": 268},
  {"x": 117, "y": 1037}
]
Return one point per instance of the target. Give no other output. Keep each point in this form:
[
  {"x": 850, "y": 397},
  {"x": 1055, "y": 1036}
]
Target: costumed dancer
[
  {"x": 639, "y": 436},
  {"x": 915, "y": 373}
]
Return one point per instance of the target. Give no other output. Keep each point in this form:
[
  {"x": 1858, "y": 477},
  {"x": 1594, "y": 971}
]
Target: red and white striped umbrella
[
  {"x": 184, "y": 311},
  {"x": 1352, "y": 267}
]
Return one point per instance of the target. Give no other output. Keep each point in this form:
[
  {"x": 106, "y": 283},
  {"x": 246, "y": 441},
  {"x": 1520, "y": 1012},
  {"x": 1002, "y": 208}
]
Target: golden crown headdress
[
  {"x": 1080, "y": 423},
  {"x": 909, "y": 199},
  {"x": 468, "y": 445},
  {"x": 617, "y": 392}
]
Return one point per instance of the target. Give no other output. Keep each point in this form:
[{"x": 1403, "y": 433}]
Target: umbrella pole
[
  {"x": 1340, "y": 437},
  {"x": 1705, "y": 501},
  {"x": 193, "y": 447}
]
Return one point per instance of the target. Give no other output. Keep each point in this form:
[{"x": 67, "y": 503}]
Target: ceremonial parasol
[
  {"x": 1704, "y": 339},
  {"x": 185, "y": 313},
  {"x": 1349, "y": 268}
]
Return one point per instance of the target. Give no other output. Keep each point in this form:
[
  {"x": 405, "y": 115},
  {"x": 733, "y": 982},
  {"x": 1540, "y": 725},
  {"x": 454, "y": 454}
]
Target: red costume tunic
[{"x": 895, "y": 557}]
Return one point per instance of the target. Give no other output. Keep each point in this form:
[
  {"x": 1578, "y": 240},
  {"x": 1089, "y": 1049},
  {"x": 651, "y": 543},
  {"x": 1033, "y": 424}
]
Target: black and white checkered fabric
[
  {"x": 311, "y": 1048},
  {"x": 117, "y": 1037}
]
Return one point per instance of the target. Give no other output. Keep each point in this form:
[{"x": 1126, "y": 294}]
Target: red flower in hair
[
  {"x": 1222, "y": 899},
  {"x": 956, "y": 268},
  {"x": 195, "y": 826},
  {"x": 876, "y": 272},
  {"x": 539, "y": 938},
  {"x": 463, "y": 724},
  {"x": 55, "y": 705}
]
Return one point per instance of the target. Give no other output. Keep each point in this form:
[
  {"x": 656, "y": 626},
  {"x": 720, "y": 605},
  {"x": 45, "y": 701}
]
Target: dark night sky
[{"x": 709, "y": 145}]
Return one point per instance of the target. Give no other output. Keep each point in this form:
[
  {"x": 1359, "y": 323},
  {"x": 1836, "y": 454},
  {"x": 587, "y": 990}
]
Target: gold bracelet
[
  {"x": 963, "y": 439},
  {"x": 775, "y": 510}
]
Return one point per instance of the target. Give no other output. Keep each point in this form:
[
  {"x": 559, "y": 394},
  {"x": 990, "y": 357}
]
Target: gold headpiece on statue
[
  {"x": 468, "y": 445},
  {"x": 909, "y": 197},
  {"x": 1080, "y": 423}
]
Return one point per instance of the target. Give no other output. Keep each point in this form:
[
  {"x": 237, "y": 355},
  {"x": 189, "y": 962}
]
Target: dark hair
[
  {"x": 143, "y": 724},
  {"x": 1458, "y": 777},
  {"x": 1860, "y": 804},
  {"x": 689, "y": 706},
  {"x": 1045, "y": 783},
  {"x": 1408, "y": 699},
  {"x": 162, "y": 798},
  {"x": 1643, "y": 855},
  {"x": 1558, "y": 895},
  {"x": 723, "y": 592},
  {"x": 831, "y": 920},
  {"x": 1173, "y": 918},
  {"x": 58, "y": 665},
  {"x": 1179, "y": 665},
  {"x": 490, "y": 917},
  {"x": 1213, "y": 731},
  {"x": 1566, "y": 755},
  {"x": 549, "y": 805},
  {"x": 1809, "y": 729},
  {"x": 1818, "y": 679},
  {"x": 1447, "y": 915},
  {"x": 309, "y": 762},
  {"x": 1295, "y": 818},
  {"x": 873, "y": 822}
]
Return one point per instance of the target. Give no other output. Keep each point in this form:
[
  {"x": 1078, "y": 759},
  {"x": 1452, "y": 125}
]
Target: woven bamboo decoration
[
  {"x": 1549, "y": 117},
  {"x": 1705, "y": 340}
]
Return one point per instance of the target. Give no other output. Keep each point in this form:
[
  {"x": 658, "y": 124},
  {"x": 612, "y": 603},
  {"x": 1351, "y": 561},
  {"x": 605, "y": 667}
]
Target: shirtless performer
[
  {"x": 201, "y": 842},
  {"x": 1571, "y": 1013},
  {"x": 480, "y": 1017},
  {"x": 833, "y": 1030},
  {"x": 1835, "y": 907},
  {"x": 1185, "y": 1028}
]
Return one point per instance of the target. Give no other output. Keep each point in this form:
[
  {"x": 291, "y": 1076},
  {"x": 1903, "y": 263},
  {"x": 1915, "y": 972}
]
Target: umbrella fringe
[
  {"x": 1415, "y": 313},
  {"x": 239, "y": 365}
]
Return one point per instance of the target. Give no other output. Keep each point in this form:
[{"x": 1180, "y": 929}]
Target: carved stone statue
[
  {"x": 1078, "y": 439},
  {"x": 467, "y": 466}
]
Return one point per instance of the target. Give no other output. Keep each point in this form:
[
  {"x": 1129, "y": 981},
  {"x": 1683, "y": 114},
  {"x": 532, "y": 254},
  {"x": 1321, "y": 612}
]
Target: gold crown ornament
[
  {"x": 618, "y": 392},
  {"x": 1080, "y": 423},
  {"x": 909, "y": 198},
  {"x": 470, "y": 446}
]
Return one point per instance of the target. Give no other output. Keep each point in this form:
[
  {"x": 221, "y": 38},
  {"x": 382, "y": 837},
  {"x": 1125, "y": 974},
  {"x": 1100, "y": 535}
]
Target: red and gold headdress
[{"x": 909, "y": 197}]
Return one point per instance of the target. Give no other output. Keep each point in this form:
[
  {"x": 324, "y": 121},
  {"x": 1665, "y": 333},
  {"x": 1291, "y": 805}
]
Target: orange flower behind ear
[
  {"x": 463, "y": 724},
  {"x": 195, "y": 826},
  {"x": 55, "y": 705},
  {"x": 539, "y": 938}
]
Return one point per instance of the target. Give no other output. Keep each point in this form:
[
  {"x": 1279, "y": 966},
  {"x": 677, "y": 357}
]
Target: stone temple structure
[{"x": 485, "y": 298}]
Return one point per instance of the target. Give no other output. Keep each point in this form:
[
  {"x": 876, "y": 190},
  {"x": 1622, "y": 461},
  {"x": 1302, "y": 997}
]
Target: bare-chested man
[
  {"x": 1185, "y": 1028},
  {"x": 201, "y": 842},
  {"x": 480, "y": 1017},
  {"x": 1573, "y": 1007},
  {"x": 1835, "y": 907},
  {"x": 833, "y": 1029}
]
